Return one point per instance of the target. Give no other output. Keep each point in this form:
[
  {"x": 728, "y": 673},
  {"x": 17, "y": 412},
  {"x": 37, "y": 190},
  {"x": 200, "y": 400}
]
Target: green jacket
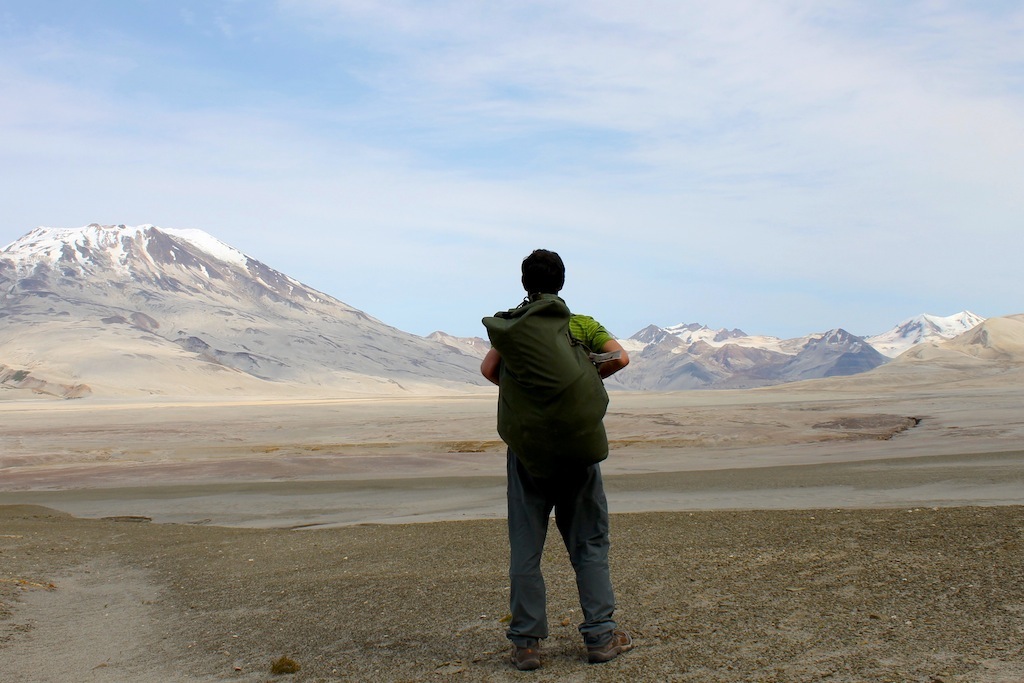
[{"x": 551, "y": 400}]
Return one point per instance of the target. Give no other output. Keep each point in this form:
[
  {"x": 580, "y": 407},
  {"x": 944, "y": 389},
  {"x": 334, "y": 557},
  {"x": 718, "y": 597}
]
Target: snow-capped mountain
[
  {"x": 152, "y": 310},
  {"x": 994, "y": 339},
  {"x": 693, "y": 356},
  {"x": 1000, "y": 339},
  {"x": 923, "y": 328}
]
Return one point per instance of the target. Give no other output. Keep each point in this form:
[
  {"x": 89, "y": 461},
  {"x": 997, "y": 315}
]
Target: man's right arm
[{"x": 490, "y": 366}]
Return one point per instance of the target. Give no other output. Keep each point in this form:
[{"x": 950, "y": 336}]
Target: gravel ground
[{"x": 901, "y": 595}]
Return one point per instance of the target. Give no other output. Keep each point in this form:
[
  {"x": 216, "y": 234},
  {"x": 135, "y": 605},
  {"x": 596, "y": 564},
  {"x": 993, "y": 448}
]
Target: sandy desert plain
[{"x": 868, "y": 528}]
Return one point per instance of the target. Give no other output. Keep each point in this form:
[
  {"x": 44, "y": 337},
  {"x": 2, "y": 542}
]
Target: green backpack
[{"x": 551, "y": 400}]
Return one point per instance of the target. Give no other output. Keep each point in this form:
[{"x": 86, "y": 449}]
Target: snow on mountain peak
[
  {"x": 53, "y": 244},
  {"x": 652, "y": 334},
  {"x": 682, "y": 328},
  {"x": 923, "y": 328},
  {"x": 690, "y": 333},
  {"x": 836, "y": 337},
  {"x": 169, "y": 258},
  {"x": 210, "y": 244}
]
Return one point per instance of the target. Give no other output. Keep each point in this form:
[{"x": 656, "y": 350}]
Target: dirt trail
[{"x": 837, "y": 595}]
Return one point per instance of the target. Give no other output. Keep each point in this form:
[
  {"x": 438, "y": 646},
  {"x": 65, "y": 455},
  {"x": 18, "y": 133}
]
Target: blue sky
[{"x": 780, "y": 166}]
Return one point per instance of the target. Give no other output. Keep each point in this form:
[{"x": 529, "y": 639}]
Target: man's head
[{"x": 543, "y": 272}]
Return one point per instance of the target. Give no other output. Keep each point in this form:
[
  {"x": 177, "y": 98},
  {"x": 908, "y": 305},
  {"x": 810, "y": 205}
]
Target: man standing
[{"x": 549, "y": 365}]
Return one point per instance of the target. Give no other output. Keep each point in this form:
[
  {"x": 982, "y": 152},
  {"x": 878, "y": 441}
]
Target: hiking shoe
[
  {"x": 526, "y": 658},
  {"x": 619, "y": 642}
]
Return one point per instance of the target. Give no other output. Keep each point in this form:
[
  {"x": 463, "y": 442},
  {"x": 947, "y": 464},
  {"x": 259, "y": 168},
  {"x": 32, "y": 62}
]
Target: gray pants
[{"x": 581, "y": 515}]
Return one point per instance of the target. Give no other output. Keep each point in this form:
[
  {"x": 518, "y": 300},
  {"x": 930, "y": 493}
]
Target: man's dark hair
[{"x": 543, "y": 272}]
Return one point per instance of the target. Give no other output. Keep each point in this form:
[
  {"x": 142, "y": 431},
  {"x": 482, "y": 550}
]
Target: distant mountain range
[
  {"x": 693, "y": 356},
  {"x": 138, "y": 311},
  {"x": 693, "y": 359}
]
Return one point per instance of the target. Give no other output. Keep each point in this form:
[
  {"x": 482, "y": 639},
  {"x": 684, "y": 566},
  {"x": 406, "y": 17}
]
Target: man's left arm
[{"x": 610, "y": 367}]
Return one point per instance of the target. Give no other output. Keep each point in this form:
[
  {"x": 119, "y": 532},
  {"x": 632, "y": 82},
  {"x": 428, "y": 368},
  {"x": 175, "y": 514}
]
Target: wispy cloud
[{"x": 783, "y": 166}]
